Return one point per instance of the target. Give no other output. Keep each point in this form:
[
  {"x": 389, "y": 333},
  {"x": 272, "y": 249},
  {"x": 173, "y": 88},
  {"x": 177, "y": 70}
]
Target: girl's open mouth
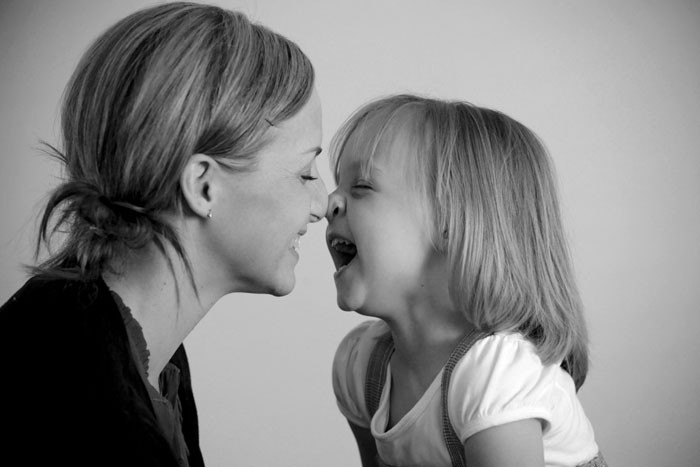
[{"x": 342, "y": 251}]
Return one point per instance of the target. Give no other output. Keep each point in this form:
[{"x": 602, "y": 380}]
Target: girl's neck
[
  {"x": 423, "y": 341},
  {"x": 423, "y": 344},
  {"x": 426, "y": 325}
]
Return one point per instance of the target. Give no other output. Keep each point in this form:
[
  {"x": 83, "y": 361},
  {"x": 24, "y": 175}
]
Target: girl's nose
[{"x": 336, "y": 205}]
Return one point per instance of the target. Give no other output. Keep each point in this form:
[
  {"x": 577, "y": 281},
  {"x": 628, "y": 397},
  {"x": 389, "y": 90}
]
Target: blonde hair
[
  {"x": 490, "y": 192},
  {"x": 159, "y": 86}
]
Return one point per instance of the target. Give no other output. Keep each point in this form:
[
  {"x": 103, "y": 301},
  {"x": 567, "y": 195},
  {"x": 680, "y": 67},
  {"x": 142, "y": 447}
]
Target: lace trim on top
[
  {"x": 135, "y": 332},
  {"x": 166, "y": 402}
]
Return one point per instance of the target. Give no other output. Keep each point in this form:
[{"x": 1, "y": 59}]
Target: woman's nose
[
  {"x": 336, "y": 205},
  {"x": 319, "y": 204}
]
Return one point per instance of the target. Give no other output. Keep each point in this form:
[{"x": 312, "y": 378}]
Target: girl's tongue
[{"x": 344, "y": 252}]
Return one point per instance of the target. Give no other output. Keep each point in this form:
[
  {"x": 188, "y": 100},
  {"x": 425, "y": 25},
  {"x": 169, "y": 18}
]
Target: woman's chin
[
  {"x": 279, "y": 287},
  {"x": 283, "y": 288}
]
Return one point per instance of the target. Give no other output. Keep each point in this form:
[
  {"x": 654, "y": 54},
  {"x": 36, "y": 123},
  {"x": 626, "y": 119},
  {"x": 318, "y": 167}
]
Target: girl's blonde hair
[
  {"x": 489, "y": 187},
  {"x": 159, "y": 86}
]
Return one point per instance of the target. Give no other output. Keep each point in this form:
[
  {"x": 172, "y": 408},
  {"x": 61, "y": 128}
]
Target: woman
[{"x": 189, "y": 143}]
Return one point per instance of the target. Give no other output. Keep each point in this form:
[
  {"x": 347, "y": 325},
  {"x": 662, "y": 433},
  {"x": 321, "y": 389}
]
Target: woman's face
[{"x": 263, "y": 213}]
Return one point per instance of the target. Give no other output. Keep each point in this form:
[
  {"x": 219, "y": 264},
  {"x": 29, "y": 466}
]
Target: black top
[
  {"x": 71, "y": 392},
  {"x": 165, "y": 399}
]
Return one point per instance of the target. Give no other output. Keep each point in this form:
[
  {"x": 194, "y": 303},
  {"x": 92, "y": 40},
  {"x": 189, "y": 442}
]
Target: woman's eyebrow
[{"x": 316, "y": 150}]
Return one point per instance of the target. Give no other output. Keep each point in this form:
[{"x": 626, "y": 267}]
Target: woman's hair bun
[
  {"x": 114, "y": 222},
  {"x": 102, "y": 229}
]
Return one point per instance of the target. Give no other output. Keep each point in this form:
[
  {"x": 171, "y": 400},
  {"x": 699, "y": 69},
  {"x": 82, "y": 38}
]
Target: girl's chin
[
  {"x": 354, "y": 304},
  {"x": 348, "y": 303},
  {"x": 351, "y": 289}
]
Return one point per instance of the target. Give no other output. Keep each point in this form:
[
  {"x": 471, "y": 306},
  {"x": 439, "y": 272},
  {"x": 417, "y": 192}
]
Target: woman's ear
[{"x": 196, "y": 184}]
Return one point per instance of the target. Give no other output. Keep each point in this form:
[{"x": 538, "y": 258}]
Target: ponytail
[{"x": 101, "y": 231}]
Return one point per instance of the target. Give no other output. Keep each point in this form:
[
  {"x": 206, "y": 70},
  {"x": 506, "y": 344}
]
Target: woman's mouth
[{"x": 296, "y": 242}]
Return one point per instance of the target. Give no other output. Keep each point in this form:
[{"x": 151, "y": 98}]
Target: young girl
[{"x": 445, "y": 225}]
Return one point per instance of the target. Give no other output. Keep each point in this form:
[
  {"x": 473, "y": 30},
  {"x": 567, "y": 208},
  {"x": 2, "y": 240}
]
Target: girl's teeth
[
  {"x": 297, "y": 244},
  {"x": 336, "y": 241}
]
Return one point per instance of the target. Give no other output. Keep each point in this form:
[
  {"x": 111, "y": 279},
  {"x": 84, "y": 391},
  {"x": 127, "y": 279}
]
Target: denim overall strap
[
  {"x": 454, "y": 445},
  {"x": 376, "y": 377},
  {"x": 597, "y": 461},
  {"x": 376, "y": 372}
]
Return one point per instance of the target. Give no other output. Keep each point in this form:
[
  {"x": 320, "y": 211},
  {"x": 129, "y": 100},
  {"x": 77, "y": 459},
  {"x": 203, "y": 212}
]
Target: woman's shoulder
[
  {"x": 46, "y": 336},
  {"x": 46, "y": 286},
  {"x": 54, "y": 290},
  {"x": 54, "y": 303}
]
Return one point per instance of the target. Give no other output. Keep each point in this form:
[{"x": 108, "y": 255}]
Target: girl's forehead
[{"x": 371, "y": 142}]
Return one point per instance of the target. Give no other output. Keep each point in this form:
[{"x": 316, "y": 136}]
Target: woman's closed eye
[{"x": 309, "y": 173}]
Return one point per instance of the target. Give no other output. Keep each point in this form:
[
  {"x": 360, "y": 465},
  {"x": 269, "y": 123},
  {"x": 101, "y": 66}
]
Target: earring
[{"x": 210, "y": 214}]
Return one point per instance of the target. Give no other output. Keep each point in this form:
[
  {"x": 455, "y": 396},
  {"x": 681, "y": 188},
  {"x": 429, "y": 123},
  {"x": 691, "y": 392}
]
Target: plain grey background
[{"x": 611, "y": 87}]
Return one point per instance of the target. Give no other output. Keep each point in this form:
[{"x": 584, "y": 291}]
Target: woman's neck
[{"x": 163, "y": 301}]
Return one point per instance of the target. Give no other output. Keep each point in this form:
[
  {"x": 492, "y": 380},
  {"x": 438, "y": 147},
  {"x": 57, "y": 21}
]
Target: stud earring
[{"x": 210, "y": 214}]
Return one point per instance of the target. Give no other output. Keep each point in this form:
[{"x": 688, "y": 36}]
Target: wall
[{"x": 611, "y": 87}]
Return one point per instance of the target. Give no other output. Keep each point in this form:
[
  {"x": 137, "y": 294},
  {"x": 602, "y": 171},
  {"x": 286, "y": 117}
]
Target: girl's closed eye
[{"x": 361, "y": 187}]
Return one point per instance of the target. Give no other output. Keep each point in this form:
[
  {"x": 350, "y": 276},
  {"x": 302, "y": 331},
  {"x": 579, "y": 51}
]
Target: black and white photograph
[{"x": 351, "y": 234}]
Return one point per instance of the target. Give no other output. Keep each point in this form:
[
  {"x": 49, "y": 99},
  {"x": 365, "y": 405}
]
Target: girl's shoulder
[
  {"x": 350, "y": 367},
  {"x": 504, "y": 358},
  {"x": 503, "y": 379},
  {"x": 504, "y": 346},
  {"x": 364, "y": 335},
  {"x": 353, "y": 352}
]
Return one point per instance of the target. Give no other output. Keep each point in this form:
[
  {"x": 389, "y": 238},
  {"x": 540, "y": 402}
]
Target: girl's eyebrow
[{"x": 352, "y": 168}]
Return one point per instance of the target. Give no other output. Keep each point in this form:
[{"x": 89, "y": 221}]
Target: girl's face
[
  {"x": 263, "y": 213},
  {"x": 377, "y": 233}
]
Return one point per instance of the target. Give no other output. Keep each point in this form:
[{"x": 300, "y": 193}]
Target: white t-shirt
[{"x": 500, "y": 380}]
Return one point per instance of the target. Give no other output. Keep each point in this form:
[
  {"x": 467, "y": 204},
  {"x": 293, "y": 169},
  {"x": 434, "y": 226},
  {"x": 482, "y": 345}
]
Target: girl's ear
[{"x": 196, "y": 184}]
